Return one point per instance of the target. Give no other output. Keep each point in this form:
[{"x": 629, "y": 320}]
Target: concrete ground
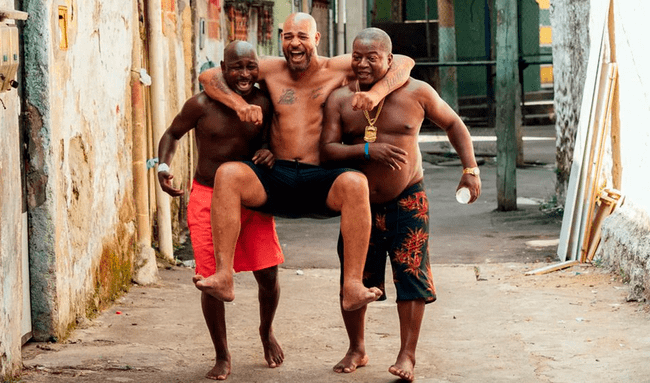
[{"x": 491, "y": 323}]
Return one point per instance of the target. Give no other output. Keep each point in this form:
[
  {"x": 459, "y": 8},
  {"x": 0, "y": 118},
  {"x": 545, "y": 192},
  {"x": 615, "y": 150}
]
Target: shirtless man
[
  {"x": 221, "y": 137},
  {"x": 296, "y": 186},
  {"x": 393, "y": 165}
]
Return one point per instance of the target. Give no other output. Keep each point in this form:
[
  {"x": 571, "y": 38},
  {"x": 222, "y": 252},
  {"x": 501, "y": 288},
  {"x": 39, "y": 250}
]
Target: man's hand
[
  {"x": 388, "y": 154},
  {"x": 365, "y": 100},
  {"x": 473, "y": 183},
  {"x": 250, "y": 113},
  {"x": 264, "y": 157},
  {"x": 165, "y": 180}
]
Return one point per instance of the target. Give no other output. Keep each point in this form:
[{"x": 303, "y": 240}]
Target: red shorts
[{"x": 257, "y": 247}]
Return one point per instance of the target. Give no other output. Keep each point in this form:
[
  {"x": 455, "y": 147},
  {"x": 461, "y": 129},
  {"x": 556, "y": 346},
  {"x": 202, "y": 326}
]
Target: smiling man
[
  {"x": 383, "y": 144},
  {"x": 296, "y": 186},
  {"x": 221, "y": 136}
]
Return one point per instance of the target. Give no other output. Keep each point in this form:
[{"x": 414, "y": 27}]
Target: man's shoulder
[
  {"x": 416, "y": 85},
  {"x": 258, "y": 97},
  {"x": 411, "y": 87},
  {"x": 202, "y": 99},
  {"x": 272, "y": 64},
  {"x": 340, "y": 94}
]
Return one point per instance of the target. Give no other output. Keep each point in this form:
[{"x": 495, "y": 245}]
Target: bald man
[
  {"x": 220, "y": 137},
  {"x": 296, "y": 186},
  {"x": 389, "y": 155}
]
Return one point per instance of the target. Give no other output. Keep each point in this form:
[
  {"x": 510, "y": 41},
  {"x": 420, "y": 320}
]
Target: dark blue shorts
[
  {"x": 297, "y": 190},
  {"x": 400, "y": 231}
]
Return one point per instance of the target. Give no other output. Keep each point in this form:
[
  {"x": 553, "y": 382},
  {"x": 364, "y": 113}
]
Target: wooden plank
[
  {"x": 596, "y": 156},
  {"x": 569, "y": 240},
  {"x": 551, "y": 268},
  {"x": 507, "y": 99}
]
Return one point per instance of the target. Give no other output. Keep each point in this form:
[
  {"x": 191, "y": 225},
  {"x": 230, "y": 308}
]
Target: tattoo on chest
[
  {"x": 288, "y": 97},
  {"x": 316, "y": 93}
]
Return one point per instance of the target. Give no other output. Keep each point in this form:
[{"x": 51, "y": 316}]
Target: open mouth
[
  {"x": 364, "y": 75},
  {"x": 244, "y": 85},
  {"x": 297, "y": 56}
]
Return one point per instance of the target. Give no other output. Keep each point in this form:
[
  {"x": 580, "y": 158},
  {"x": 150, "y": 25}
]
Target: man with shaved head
[
  {"x": 383, "y": 144},
  {"x": 220, "y": 137},
  {"x": 296, "y": 186}
]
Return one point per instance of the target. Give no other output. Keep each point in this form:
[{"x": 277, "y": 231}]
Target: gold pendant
[{"x": 371, "y": 134}]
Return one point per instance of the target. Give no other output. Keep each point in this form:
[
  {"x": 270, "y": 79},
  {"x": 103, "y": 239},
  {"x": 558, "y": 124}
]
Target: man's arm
[
  {"x": 184, "y": 121},
  {"x": 440, "y": 113},
  {"x": 263, "y": 156},
  {"x": 397, "y": 75},
  {"x": 216, "y": 87},
  {"x": 334, "y": 150}
]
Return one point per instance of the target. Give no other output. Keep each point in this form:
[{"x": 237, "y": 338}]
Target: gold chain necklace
[{"x": 371, "y": 130}]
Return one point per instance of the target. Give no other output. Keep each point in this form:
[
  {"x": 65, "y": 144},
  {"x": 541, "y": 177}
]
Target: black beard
[{"x": 294, "y": 68}]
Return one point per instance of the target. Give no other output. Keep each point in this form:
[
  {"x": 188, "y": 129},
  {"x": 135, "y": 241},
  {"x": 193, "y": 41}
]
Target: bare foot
[
  {"x": 219, "y": 286},
  {"x": 350, "y": 362},
  {"x": 356, "y": 295},
  {"x": 220, "y": 371},
  {"x": 403, "y": 368},
  {"x": 272, "y": 350}
]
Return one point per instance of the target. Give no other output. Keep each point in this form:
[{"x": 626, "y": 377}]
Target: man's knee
[
  {"x": 233, "y": 173},
  {"x": 267, "y": 278},
  {"x": 238, "y": 178},
  {"x": 351, "y": 185}
]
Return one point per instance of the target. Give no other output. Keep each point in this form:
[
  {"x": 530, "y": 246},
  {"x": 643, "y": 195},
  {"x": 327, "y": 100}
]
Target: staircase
[{"x": 537, "y": 109}]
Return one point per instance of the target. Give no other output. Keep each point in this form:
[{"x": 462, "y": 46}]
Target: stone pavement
[{"x": 491, "y": 323}]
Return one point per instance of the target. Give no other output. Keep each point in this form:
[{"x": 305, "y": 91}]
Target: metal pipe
[
  {"x": 340, "y": 28},
  {"x": 158, "y": 103},
  {"x": 426, "y": 27}
]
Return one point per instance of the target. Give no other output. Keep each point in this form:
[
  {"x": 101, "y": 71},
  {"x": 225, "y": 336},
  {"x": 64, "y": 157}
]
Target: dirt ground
[
  {"x": 491, "y": 323},
  {"x": 567, "y": 326}
]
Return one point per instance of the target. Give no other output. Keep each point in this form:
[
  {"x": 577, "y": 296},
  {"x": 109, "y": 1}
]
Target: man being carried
[
  {"x": 221, "y": 137},
  {"x": 296, "y": 186},
  {"x": 383, "y": 144}
]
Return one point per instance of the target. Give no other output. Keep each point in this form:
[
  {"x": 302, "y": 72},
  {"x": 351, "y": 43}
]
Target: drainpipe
[
  {"x": 146, "y": 270},
  {"x": 158, "y": 102},
  {"x": 340, "y": 28}
]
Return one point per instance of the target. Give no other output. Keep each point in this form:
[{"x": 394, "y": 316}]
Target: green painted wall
[
  {"x": 415, "y": 9},
  {"x": 470, "y": 46},
  {"x": 382, "y": 9},
  {"x": 471, "y": 38},
  {"x": 529, "y": 42}
]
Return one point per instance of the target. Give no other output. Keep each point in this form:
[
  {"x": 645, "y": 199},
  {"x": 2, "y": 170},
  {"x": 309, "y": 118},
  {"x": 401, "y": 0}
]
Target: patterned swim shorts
[{"x": 400, "y": 230}]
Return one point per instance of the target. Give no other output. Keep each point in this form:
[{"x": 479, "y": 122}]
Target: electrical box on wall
[{"x": 9, "y": 56}]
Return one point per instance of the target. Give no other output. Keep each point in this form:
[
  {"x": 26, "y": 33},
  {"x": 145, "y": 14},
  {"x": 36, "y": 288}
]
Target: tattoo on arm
[
  {"x": 218, "y": 82},
  {"x": 395, "y": 77}
]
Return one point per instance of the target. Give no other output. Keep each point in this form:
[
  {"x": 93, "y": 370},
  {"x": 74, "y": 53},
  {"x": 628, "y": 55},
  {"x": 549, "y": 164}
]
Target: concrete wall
[
  {"x": 11, "y": 229},
  {"x": 81, "y": 216},
  {"x": 79, "y": 128},
  {"x": 625, "y": 246},
  {"x": 355, "y": 21},
  {"x": 78, "y": 131}
]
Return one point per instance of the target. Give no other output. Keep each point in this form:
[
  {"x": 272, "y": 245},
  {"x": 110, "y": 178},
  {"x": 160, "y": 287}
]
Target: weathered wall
[
  {"x": 80, "y": 173},
  {"x": 625, "y": 246},
  {"x": 79, "y": 126},
  {"x": 11, "y": 224}
]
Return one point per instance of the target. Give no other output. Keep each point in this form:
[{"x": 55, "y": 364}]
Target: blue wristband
[{"x": 366, "y": 154}]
